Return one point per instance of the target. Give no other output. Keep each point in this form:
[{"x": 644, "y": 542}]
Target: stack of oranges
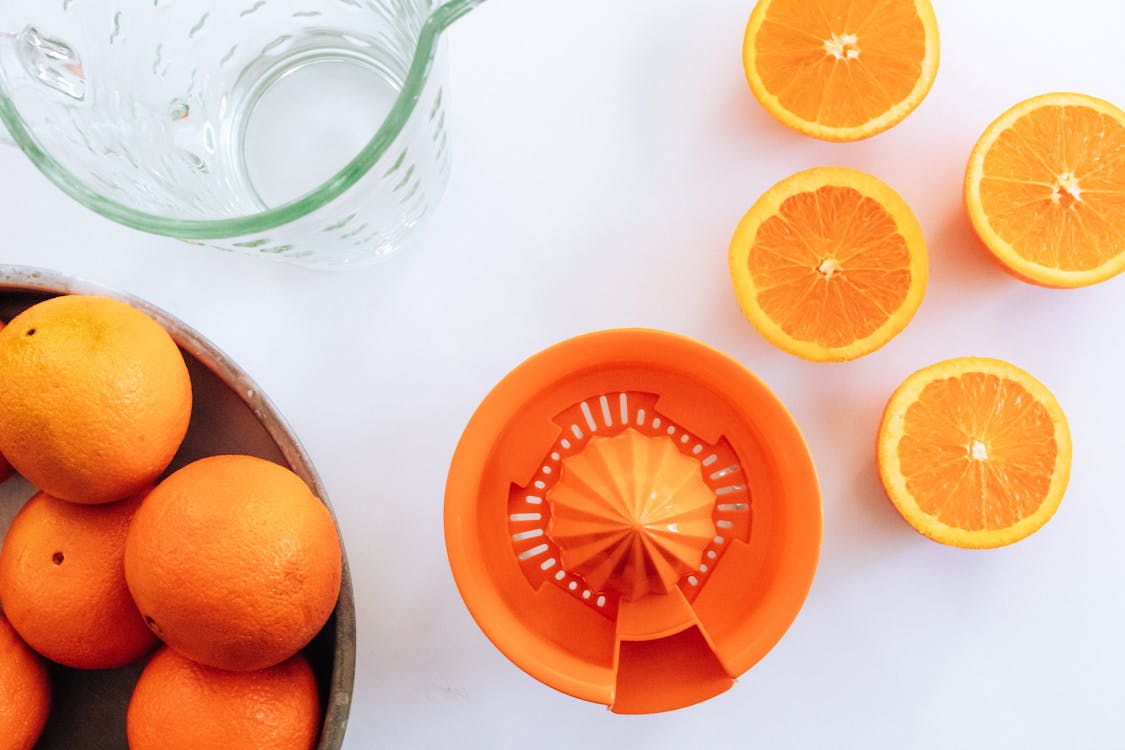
[{"x": 230, "y": 562}]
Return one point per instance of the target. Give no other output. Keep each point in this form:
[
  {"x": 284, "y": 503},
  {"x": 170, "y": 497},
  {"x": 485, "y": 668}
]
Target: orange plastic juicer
[{"x": 633, "y": 518}]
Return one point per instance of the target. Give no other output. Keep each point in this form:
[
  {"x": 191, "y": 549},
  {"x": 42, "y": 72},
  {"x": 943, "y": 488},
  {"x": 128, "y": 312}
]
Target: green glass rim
[{"x": 333, "y": 188}]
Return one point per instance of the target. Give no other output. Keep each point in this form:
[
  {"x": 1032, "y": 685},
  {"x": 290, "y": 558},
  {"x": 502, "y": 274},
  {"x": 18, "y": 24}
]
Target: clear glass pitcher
[{"x": 312, "y": 131}]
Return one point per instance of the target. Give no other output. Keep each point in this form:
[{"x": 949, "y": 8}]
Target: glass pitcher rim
[{"x": 212, "y": 229}]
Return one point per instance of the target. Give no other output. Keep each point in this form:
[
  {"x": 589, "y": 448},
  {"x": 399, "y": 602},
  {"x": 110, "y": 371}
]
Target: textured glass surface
[{"x": 306, "y": 130}]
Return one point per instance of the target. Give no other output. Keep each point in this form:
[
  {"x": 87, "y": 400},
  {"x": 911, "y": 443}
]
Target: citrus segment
[
  {"x": 841, "y": 70},
  {"x": 829, "y": 264},
  {"x": 974, "y": 452},
  {"x": 1045, "y": 189},
  {"x": 62, "y": 583}
]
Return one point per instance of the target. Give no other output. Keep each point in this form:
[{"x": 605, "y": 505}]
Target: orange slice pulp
[
  {"x": 1045, "y": 190},
  {"x": 829, "y": 264},
  {"x": 841, "y": 70},
  {"x": 974, "y": 452}
]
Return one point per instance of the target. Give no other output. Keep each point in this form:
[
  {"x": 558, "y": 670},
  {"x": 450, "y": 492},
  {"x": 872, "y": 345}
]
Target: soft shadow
[
  {"x": 841, "y": 412},
  {"x": 745, "y": 118},
  {"x": 960, "y": 263}
]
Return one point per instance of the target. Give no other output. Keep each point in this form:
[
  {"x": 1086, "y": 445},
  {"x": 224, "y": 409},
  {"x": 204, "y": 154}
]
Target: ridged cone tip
[{"x": 631, "y": 514}]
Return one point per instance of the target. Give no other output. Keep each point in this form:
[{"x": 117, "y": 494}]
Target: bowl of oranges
[{"x": 171, "y": 574}]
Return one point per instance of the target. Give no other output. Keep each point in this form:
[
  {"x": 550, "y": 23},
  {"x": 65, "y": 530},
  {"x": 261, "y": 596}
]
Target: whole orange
[
  {"x": 62, "y": 583},
  {"x": 179, "y": 704},
  {"x": 95, "y": 398},
  {"x": 234, "y": 562},
  {"x": 25, "y": 692}
]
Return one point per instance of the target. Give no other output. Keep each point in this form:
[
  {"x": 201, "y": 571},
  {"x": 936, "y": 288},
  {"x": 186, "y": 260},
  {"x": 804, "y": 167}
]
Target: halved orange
[
  {"x": 829, "y": 264},
  {"x": 974, "y": 452},
  {"x": 841, "y": 70},
  {"x": 1045, "y": 190}
]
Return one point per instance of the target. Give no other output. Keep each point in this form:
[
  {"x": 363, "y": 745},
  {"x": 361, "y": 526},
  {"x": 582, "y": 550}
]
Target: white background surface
[{"x": 604, "y": 153}]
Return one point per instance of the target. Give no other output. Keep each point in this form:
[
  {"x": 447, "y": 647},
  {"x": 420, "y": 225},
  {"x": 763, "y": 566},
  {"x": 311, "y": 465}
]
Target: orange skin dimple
[{"x": 62, "y": 583}]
